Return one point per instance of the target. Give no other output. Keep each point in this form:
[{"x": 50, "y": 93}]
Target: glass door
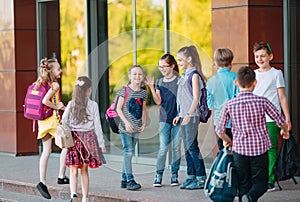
[
  {"x": 48, "y": 29},
  {"x": 48, "y": 36}
]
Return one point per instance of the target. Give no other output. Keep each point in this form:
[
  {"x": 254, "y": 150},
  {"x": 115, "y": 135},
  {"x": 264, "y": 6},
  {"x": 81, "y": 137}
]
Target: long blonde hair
[
  {"x": 46, "y": 72},
  {"x": 78, "y": 109}
]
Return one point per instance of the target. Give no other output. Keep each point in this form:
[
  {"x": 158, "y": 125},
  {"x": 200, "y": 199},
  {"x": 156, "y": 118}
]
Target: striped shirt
[
  {"x": 248, "y": 122},
  {"x": 133, "y": 108}
]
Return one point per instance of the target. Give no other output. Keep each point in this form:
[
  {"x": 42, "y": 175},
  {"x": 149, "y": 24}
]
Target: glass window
[
  {"x": 73, "y": 44},
  {"x": 187, "y": 27}
]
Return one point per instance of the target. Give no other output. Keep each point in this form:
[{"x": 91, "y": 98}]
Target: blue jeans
[
  {"x": 252, "y": 173},
  {"x": 129, "y": 141},
  {"x": 168, "y": 131},
  {"x": 194, "y": 160}
]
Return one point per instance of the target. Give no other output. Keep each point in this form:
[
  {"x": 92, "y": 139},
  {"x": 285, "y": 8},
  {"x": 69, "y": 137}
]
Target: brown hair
[
  {"x": 168, "y": 58},
  {"x": 223, "y": 57},
  {"x": 191, "y": 51},
  {"x": 245, "y": 76},
  {"x": 78, "y": 108},
  {"x": 262, "y": 46},
  {"x": 143, "y": 85}
]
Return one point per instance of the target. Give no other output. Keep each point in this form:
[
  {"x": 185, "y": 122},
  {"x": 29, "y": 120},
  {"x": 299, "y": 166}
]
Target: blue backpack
[
  {"x": 203, "y": 109},
  {"x": 222, "y": 182}
]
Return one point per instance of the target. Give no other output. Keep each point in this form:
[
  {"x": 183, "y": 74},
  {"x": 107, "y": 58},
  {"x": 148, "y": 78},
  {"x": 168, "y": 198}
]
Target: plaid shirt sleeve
[{"x": 276, "y": 115}]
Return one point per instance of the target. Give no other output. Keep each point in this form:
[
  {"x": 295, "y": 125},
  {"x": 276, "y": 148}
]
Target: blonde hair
[{"x": 46, "y": 72}]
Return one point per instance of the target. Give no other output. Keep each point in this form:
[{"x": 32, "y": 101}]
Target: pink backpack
[
  {"x": 111, "y": 114},
  {"x": 34, "y": 109}
]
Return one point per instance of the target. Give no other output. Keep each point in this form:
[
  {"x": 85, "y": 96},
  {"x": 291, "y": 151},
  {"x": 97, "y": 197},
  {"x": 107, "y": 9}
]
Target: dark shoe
[
  {"x": 271, "y": 187},
  {"x": 196, "y": 184},
  {"x": 157, "y": 181},
  {"x": 123, "y": 184},
  {"x": 132, "y": 185},
  {"x": 74, "y": 198},
  {"x": 186, "y": 183},
  {"x": 174, "y": 180},
  {"x": 64, "y": 180},
  {"x": 43, "y": 190}
]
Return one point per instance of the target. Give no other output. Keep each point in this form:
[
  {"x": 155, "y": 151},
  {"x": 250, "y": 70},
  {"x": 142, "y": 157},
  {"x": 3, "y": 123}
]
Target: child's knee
[{"x": 74, "y": 171}]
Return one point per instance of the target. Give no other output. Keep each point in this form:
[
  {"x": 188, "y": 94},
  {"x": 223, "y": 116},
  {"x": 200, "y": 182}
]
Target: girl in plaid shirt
[{"x": 251, "y": 141}]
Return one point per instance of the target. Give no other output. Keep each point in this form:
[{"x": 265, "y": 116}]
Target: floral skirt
[{"x": 85, "y": 151}]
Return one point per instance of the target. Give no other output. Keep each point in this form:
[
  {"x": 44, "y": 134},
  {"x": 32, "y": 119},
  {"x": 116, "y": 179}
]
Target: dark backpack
[
  {"x": 111, "y": 114},
  {"x": 288, "y": 161},
  {"x": 222, "y": 182},
  {"x": 205, "y": 112}
]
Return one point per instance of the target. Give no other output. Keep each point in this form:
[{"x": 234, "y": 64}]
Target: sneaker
[
  {"x": 174, "y": 180},
  {"x": 157, "y": 181},
  {"x": 271, "y": 187},
  {"x": 123, "y": 184},
  {"x": 186, "y": 183},
  {"x": 64, "y": 180},
  {"x": 43, "y": 190},
  {"x": 196, "y": 184},
  {"x": 132, "y": 185},
  {"x": 244, "y": 198},
  {"x": 74, "y": 198}
]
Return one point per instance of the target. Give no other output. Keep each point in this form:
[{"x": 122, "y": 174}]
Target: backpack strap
[
  {"x": 126, "y": 95},
  {"x": 190, "y": 81},
  {"x": 158, "y": 82}
]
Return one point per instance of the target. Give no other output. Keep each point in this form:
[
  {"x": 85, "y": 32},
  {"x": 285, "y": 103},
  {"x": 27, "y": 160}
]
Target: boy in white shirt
[{"x": 270, "y": 84}]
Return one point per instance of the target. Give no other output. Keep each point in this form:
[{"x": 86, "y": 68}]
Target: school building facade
[{"x": 30, "y": 29}]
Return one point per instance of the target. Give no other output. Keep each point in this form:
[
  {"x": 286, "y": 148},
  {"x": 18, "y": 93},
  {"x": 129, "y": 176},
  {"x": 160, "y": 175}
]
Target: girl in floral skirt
[{"x": 82, "y": 115}]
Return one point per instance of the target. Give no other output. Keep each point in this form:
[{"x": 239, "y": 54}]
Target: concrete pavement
[{"x": 20, "y": 174}]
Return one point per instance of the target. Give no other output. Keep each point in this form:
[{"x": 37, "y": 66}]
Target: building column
[
  {"x": 18, "y": 68},
  {"x": 239, "y": 24}
]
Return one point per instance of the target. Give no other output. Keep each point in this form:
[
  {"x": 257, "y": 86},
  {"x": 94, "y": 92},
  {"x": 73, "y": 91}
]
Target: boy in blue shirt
[{"x": 220, "y": 87}]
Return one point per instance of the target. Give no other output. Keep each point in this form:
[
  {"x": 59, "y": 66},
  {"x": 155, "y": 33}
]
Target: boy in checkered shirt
[{"x": 250, "y": 141}]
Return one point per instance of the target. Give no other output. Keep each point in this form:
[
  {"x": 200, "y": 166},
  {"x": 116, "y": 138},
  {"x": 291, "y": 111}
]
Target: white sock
[
  {"x": 85, "y": 199},
  {"x": 72, "y": 194}
]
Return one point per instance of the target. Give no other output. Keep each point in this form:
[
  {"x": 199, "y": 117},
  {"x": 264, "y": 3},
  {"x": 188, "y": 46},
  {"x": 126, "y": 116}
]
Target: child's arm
[
  {"x": 144, "y": 118},
  {"x": 129, "y": 128},
  {"x": 196, "y": 97},
  {"x": 155, "y": 93},
  {"x": 226, "y": 140},
  {"x": 284, "y": 106},
  {"x": 284, "y": 131},
  {"x": 279, "y": 119},
  {"x": 51, "y": 92},
  {"x": 98, "y": 127}
]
